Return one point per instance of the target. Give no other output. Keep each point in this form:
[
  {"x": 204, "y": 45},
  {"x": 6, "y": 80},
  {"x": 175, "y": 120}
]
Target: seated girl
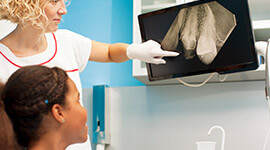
[{"x": 42, "y": 105}]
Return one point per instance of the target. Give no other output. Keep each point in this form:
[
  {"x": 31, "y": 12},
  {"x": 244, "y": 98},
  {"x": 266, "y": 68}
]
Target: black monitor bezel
[{"x": 223, "y": 70}]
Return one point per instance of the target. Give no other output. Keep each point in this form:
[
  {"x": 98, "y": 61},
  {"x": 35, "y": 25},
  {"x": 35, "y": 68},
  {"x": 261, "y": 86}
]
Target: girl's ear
[{"x": 58, "y": 113}]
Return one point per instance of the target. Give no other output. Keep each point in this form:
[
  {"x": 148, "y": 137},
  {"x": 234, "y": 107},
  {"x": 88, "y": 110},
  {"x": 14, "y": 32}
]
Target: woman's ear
[{"x": 58, "y": 113}]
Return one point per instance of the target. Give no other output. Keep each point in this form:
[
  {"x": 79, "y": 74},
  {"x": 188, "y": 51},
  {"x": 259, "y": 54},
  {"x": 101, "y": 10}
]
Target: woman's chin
[{"x": 50, "y": 30}]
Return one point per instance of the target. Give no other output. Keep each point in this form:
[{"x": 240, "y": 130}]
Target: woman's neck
[
  {"x": 49, "y": 141},
  {"x": 25, "y": 42}
]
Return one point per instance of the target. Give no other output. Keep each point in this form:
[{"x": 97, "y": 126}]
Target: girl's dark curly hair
[
  {"x": 29, "y": 95},
  {"x": 7, "y": 136}
]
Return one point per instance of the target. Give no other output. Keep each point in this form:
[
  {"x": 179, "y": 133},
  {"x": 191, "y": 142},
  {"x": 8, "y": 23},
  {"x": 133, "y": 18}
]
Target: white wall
[{"x": 175, "y": 116}]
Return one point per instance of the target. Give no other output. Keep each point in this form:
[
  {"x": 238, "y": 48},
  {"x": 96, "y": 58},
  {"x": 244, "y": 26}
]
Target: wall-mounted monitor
[{"x": 210, "y": 35}]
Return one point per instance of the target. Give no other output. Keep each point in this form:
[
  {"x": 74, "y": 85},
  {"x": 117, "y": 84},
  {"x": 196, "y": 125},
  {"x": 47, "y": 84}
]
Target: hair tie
[{"x": 46, "y": 101}]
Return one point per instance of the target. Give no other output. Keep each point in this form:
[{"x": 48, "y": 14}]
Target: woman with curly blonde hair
[
  {"x": 23, "y": 13},
  {"x": 37, "y": 41}
]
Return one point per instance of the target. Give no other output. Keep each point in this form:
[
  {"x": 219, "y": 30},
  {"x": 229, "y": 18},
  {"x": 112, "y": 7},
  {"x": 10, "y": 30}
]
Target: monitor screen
[{"x": 210, "y": 35}]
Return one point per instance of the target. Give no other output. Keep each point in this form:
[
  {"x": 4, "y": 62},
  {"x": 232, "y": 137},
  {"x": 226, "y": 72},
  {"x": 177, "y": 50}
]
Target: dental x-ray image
[
  {"x": 210, "y": 35},
  {"x": 201, "y": 29}
]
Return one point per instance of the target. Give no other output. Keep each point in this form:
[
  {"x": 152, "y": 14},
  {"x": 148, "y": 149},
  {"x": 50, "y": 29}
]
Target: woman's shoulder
[
  {"x": 67, "y": 34},
  {"x": 63, "y": 32}
]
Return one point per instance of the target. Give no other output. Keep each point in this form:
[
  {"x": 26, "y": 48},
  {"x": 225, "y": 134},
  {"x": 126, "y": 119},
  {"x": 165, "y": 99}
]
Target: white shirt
[{"x": 67, "y": 50}]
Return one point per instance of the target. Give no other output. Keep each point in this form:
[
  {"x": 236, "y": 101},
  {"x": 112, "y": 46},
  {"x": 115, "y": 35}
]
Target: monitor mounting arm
[{"x": 263, "y": 49}]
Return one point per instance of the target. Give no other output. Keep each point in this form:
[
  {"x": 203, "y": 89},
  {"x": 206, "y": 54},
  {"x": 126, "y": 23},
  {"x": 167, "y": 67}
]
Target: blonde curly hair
[{"x": 23, "y": 12}]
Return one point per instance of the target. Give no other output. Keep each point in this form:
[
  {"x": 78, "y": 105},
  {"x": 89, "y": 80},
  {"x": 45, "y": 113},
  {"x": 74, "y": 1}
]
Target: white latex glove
[{"x": 149, "y": 51}]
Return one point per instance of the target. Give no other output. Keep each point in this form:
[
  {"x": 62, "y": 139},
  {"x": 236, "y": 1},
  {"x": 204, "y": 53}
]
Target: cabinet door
[{"x": 259, "y": 12}]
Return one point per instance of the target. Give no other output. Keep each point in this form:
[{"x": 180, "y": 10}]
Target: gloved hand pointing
[{"x": 149, "y": 51}]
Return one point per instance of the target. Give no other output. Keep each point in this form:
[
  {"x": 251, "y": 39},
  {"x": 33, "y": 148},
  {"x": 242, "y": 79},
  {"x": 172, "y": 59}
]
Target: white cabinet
[
  {"x": 260, "y": 10},
  {"x": 150, "y": 5}
]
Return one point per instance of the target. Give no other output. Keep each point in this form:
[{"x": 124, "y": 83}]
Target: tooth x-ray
[
  {"x": 212, "y": 36},
  {"x": 202, "y": 29}
]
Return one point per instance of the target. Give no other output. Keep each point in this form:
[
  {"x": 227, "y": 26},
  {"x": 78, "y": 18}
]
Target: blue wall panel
[
  {"x": 107, "y": 21},
  {"x": 122, "y": 18}
]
